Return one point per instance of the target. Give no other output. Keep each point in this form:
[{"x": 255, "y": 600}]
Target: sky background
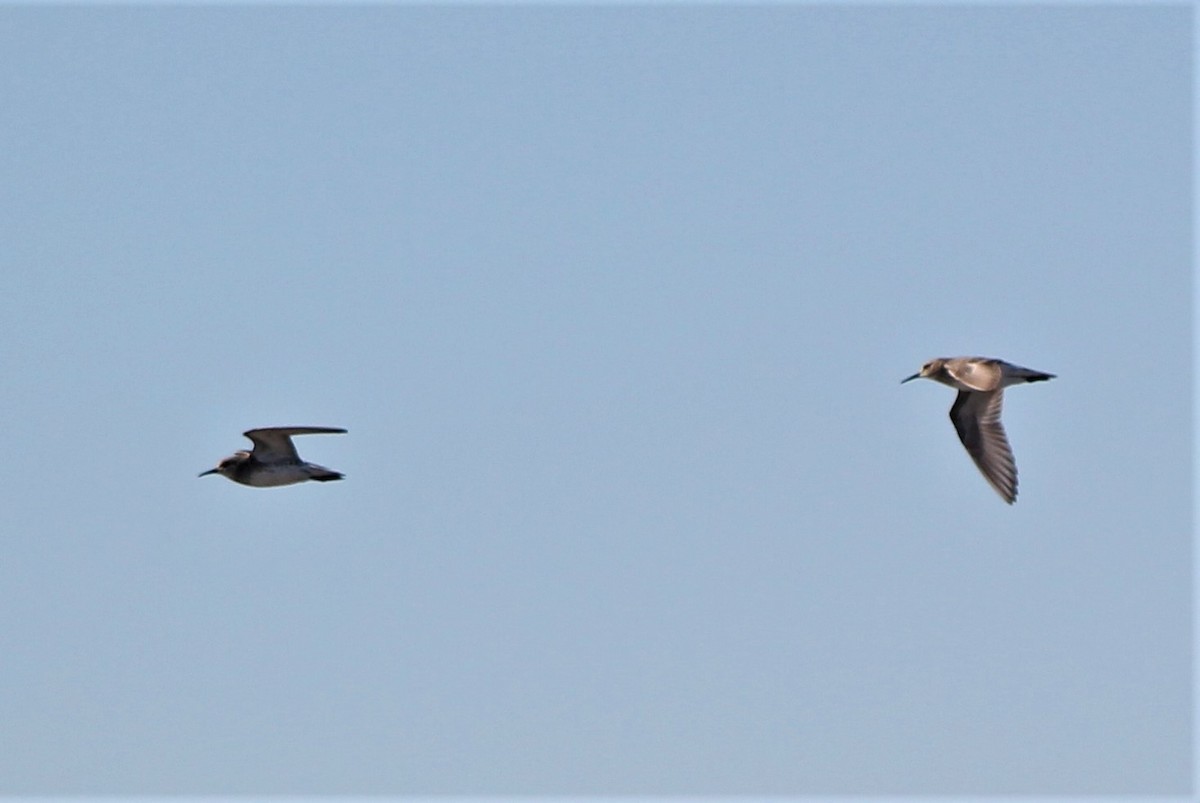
[{"x": 614, "y": 302}]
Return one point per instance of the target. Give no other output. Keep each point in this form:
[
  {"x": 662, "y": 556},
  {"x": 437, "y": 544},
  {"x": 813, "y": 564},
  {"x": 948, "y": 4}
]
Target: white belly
[{"x": 272, "y": 476}]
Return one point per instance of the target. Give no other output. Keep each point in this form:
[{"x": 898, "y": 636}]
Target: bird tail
[{"x": 322, "y": 474}]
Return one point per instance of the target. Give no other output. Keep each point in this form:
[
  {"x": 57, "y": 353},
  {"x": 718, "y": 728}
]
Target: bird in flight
[
  {"x": 980, "y": 382},
  {"x": 273, "y": 460}
]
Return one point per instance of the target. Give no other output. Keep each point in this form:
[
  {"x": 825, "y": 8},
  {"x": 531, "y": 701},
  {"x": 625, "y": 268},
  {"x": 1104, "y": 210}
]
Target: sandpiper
[
  {"x": 273, "y": 460},
  {"x": 980, "y": 383}
]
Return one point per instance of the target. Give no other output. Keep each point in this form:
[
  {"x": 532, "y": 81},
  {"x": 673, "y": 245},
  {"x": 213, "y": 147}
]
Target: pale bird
[{"x": 273, "y": 460}]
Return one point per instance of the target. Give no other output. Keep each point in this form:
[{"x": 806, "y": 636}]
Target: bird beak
[
  {"x": 911, "y": 378},
  {"x": 206, "y": 473}
]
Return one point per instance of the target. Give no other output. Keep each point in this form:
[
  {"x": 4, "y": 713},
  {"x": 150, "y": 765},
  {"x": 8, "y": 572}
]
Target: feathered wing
[
  {"x": 976, "y": 417},
  {"x": 977, "y": 373},
  {"x": 274, "y": 444}
]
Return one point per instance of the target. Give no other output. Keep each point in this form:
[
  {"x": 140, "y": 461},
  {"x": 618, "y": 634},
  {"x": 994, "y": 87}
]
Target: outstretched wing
[
  {"x": 976, "y": 417},
  {"x": 274, "y": 444}
]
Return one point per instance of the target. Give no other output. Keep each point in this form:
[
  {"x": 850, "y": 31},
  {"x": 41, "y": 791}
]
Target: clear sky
[{"x": 614, "y": 302}]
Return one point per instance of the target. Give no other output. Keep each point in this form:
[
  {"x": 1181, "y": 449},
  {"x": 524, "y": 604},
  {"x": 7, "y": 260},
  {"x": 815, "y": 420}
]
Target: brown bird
[{"x": 980, "y": 382}]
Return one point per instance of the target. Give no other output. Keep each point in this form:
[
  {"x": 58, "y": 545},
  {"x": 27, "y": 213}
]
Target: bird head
[
  {"x": 227, "y": 466},
  {"x": 929, "y": 369}
]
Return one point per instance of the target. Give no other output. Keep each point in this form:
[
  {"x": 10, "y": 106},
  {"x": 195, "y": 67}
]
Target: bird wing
[
  {"x": 274, "y": 444},
  {"x": 977, "y": 373},
  {"x": 976, "y": 417}
]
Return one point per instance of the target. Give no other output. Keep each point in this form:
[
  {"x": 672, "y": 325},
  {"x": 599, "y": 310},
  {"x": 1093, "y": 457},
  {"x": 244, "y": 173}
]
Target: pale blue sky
[{"x": 615, "y": 303}]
